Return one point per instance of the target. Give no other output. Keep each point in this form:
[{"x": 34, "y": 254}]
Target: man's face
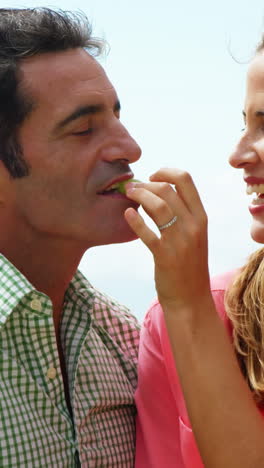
[{"x": 76, "y": 147}]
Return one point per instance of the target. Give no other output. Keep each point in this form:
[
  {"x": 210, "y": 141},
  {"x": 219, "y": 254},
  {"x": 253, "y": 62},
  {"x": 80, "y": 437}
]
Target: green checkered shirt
[{"x": 100, "y": 344}]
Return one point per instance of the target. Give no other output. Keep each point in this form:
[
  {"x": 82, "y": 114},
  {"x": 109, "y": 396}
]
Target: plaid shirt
[{"x": 100, "y": 344}]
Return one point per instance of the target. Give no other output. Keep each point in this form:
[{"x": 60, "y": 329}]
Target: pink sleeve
[
  {"x": 219, "y": 285},
  {"x": 157, "y": 442},
  {"x": 164, "y": 434}
]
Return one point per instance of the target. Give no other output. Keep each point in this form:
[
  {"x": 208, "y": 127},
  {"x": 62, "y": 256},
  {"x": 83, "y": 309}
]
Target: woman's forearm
[{"x": 227, "y": 425}]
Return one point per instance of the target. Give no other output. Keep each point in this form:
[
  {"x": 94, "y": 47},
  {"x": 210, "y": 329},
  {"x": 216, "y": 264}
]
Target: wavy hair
[{"x": 244, "y": 303}]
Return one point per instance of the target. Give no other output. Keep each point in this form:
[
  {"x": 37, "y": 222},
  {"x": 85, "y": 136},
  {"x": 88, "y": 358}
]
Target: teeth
[
  {"x": 257, "y": 201},
  {"x": 120, "y": 186},
  {"x": 256, "y": 188},
  {"x": 112, "y": 187}
]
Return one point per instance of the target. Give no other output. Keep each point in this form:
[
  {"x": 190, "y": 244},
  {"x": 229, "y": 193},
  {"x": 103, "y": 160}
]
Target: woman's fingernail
[{"x": 131, "y": 186}]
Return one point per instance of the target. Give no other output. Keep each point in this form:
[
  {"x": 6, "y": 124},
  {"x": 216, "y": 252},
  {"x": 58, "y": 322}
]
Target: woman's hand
[
  {"x": 180, "y": 253},
  {"x": 231, "y": 434}
]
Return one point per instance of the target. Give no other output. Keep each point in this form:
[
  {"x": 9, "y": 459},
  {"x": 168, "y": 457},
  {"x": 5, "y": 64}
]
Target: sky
[{"x": 179, "y": 69}]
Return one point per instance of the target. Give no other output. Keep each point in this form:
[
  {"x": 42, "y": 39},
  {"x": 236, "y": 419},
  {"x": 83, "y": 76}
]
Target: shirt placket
[{"x": 43, "y": 360}]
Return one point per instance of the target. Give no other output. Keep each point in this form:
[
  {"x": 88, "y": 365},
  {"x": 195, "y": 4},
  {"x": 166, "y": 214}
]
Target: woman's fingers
[
  {"x": 162, "y": 189},
  {"x": 160, "y": 201},
  {"x": 185, "y": 188},
  {"x": 138, "y": 225},
  {"x": 180, "y": 252},
  {"x": 156, "y": 207}
]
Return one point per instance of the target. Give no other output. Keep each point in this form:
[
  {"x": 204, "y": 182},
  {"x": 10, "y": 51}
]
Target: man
[{"x": 68, "y": 353}]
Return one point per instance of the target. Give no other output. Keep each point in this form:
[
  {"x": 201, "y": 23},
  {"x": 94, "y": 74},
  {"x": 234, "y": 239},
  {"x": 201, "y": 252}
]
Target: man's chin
[{"x": 126, "y": 237}]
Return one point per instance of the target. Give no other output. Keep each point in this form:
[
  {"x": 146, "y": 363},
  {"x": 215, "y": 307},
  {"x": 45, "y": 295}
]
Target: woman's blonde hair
[{"x": 244, "y": 303}]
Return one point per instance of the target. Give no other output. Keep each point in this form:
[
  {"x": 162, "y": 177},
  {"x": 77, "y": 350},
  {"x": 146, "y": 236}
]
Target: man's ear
[{"x": 5, "y": 183}]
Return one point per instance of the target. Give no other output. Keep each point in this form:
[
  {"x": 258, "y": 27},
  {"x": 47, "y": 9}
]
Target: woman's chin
[{"x": 257, "y": 232}]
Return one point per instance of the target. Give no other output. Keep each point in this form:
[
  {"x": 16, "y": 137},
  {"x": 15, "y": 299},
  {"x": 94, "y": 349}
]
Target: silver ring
[{"x": 170, "y": 223}]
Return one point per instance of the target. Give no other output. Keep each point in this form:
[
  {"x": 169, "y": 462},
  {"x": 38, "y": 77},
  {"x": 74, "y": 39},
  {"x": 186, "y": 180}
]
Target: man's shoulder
[
  {"x": 115, "y": 320},
  {"x": 107, "y": 306},
  {"x": 112, "y": 323},
  {"x": 102, "y": 304}
]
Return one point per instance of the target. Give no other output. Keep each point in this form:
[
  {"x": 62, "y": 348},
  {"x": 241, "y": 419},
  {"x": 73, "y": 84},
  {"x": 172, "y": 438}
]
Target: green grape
[{"x": 121, "y": 186}]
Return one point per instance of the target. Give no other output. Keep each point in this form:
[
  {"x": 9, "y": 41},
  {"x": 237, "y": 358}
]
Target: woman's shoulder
[
  {"x": 219, "y": 286},
  {"x": 221, "y": 282},
  {"x": 154, "y": 320}
]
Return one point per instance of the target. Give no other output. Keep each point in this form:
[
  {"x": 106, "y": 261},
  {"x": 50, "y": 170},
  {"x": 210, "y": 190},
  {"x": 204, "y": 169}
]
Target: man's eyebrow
[{"x": 85, "y": 110}]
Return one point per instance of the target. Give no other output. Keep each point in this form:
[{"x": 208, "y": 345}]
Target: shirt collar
[
  {"x": 14, "y": 286},
  {"x": 80, "y": 286}
]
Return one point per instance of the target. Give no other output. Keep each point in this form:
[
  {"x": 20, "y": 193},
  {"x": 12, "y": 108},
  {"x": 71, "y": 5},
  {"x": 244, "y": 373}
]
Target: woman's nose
[{"x": 244, "y": 153}]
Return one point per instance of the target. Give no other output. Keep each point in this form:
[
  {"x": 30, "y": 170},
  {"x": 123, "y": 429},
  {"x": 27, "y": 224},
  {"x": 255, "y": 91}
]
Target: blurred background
[{"x": 179, "y": 69}]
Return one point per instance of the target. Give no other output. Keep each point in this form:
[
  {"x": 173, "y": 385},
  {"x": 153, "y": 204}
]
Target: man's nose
[
  {"x": 245, "y": 153},
  {"x": 120, "y": 145}
]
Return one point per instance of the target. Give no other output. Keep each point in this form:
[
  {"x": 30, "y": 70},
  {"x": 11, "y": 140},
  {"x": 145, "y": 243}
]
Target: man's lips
[{"x": 109, "y": 186}]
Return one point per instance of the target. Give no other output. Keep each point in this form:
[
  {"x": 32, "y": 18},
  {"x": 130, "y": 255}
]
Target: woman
[{"x": 210, "y": 411}]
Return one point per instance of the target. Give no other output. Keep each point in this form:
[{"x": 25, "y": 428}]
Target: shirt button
[
  {"x": 35, "y": 304},
  {"x": 51, "y": 373}
]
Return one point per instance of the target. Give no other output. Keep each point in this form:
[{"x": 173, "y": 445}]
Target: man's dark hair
[{"x": 25, "y": 33}]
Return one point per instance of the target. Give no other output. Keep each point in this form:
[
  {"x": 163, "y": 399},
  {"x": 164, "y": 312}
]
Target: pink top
[{"x": 164, "y": 434}]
